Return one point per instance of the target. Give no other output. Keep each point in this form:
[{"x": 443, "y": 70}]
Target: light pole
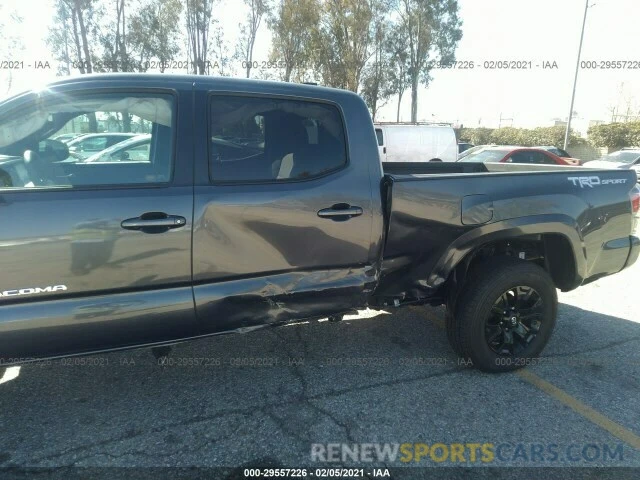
[{"x": 575, "y": 78}]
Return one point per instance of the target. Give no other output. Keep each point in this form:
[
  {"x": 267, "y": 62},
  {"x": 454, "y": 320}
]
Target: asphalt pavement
[{"x": 322, "y": 395}]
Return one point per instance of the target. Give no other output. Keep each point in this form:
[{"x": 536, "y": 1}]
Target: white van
[{"x": 416, "y": 143}]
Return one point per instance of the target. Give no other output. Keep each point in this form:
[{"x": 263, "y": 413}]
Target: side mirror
[{"x": 125, "y": 156}]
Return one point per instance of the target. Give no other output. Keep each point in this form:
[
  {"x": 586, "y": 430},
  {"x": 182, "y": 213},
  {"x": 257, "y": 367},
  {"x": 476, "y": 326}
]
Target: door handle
[
  {"x": 384, "y": 149},
  {"x": 155, "y": 221},
  {"x": 340, "y": 211}
]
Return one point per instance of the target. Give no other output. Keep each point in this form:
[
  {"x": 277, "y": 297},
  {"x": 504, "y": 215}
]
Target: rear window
[
  {"x": 485, "y": 156},
  {"x": 256, "y": 139}
]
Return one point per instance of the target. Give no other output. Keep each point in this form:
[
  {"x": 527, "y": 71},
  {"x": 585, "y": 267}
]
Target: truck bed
[{"x": 438, "y": 212}]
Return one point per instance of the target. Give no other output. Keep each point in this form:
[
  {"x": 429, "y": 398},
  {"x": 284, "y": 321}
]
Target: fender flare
[{"x": 503, "y": 230}]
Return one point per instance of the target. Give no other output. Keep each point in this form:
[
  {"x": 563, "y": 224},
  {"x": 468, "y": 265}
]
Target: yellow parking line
[
  {"x": 577, "y": 406},
  {"x": 574, "y": 404}
]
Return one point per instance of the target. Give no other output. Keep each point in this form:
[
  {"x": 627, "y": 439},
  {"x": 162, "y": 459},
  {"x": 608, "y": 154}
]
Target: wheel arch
[{"x": 552, "y": 241}]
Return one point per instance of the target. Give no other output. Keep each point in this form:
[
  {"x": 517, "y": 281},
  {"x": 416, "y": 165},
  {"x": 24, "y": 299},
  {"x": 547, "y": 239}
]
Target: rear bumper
[{"x": 633, "y": 252}]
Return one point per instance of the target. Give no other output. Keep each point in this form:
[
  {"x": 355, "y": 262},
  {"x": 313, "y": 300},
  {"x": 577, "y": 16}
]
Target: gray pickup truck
[{"x": 257, "y": 203}]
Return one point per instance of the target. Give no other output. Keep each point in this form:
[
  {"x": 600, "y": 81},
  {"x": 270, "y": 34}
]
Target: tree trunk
[
  {"x": 85, "y": 42},
  {"x": 414, "y": 99},
  {"x": 93, "y": 122},
  {"x": 76, "y": 39},
  {"x": 126, "y": 121},
  {"x": 400, "y": 94}
]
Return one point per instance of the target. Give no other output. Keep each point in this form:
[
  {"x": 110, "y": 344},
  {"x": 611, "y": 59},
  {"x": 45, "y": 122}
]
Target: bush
[
  {"x": 519, "y": 136},
  {"x": 615, "y": 135}
]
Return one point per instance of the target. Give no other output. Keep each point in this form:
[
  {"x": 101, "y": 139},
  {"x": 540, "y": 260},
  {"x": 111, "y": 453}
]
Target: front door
[
  {"x": 282, "y": 225},
  {"x": 96, "y": 254}
]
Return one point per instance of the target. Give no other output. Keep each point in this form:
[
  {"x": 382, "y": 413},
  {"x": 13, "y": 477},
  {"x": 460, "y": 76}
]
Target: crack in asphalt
[
  {"x": 251, "y": 411},
  {"x": 595, "y": 349}
]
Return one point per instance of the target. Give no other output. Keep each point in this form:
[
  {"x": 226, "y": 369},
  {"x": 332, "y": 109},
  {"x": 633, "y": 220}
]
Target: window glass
[
  {"x": 91, "y": 144},
  {"x": 134, "y": 149},
  {"x": 380, "y": 137},
  {"x": 115, "y": 139},
  {"x": 520, "y": 157},
  {"x": 488, "y": 155},
  {"x": 539, "y": 157},
  {"x": 269, "y": 139}
]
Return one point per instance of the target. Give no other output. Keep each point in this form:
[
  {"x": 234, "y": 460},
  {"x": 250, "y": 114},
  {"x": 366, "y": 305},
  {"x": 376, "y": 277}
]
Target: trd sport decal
[{"x": 594, "y": 181}]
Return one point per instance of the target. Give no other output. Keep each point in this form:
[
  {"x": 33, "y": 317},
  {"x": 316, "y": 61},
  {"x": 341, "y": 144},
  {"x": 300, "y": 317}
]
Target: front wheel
[{"x": 505, "y": 315}]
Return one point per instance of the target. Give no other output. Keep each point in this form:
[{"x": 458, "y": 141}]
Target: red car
[{"x": 515, "y": 155}]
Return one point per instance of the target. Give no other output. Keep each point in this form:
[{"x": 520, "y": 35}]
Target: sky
[{"x": 493, "y": 30}]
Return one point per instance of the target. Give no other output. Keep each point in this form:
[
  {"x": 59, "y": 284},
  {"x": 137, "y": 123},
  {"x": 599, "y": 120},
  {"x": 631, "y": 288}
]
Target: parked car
[
  {"x": 471, "y": 150},
  {"x": 514, "y": 154},
  {"x": 67, "y": 137},
  {"x": 560, "y": 153},
  {"x": 91, "y": 143},
  {"x": 463, "y": 146},
  {"x": 303, "y": 222},
  {"x": 627, "y": 158},
  {"x": 416, "y": 143},
  {"x": 135, "y": 149}
]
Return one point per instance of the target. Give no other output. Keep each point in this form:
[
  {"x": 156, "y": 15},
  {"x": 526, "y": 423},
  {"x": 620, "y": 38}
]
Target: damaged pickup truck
[{"x": 249, "y": 204}]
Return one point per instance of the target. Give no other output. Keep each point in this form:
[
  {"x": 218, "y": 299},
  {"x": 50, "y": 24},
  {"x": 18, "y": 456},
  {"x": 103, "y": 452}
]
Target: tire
[{"x": 477, "y": 327}]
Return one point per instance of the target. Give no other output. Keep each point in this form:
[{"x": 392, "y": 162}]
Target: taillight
[{"x": 634, "y": 195}]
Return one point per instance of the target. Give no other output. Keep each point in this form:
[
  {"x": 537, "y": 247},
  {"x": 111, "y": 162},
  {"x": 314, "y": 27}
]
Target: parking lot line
[
  {"x": 584, "y": 410},
  {"x": 574, "y": 404}
]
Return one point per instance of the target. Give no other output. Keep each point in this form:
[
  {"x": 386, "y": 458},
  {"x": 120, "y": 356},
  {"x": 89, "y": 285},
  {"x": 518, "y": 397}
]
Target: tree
[
  {"x": 10, "y": 48},
  {"x": 249, "y": 30},
  {"x": 431, "y": 29},
  {"x": 376, "y": 84},
  {"x": 59, "y": 39},
  {"x": 221, "y": 50},
  {"x": 154, "y": 31},
  {"x": 292, "y": 34},
  {"x": 78, "y": 17},
  {"x": 198, "y": 14},
  {"x": 115, "y": 56},
  {"x": 342, "y": 41},
  {"x": 399, "y": 78}
]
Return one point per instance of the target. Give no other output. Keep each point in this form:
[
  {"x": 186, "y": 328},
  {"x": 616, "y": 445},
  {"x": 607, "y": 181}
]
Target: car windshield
[
  {"x": 487, "y": 155},
  {"x": 622, "y": 157}
]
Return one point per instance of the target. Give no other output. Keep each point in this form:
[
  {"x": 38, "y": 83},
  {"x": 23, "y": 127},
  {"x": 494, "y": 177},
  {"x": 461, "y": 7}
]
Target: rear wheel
[{"x": 504, "y": 316}]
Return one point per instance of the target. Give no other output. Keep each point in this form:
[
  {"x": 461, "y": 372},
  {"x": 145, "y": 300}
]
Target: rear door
[
  {"x": 97, "y": 255},
  {"x": 283, "y": 218}
]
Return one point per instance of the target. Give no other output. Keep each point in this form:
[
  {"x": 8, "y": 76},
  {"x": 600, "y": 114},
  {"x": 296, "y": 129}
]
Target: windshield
[
  {"x": 488, "y": 155},
  {"x": 622, "y": 157}
]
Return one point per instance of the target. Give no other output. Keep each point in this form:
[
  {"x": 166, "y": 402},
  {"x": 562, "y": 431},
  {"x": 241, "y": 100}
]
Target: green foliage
[
  {"x": 519, "y": 136},
  {"x": 343, "y": 41},
  {"x": 154, "y": 30},
  {"x": 292, "y": 28},
  {"x": 376, "y": 79},
  {"x": 615, "y": 135},
  {"x": 431, "y": 30}
]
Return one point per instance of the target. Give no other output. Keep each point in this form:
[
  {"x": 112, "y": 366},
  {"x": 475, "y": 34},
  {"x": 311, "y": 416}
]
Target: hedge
[
  {"x": 615, "y": 135},
  {"x": 519, "y": 136}
]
